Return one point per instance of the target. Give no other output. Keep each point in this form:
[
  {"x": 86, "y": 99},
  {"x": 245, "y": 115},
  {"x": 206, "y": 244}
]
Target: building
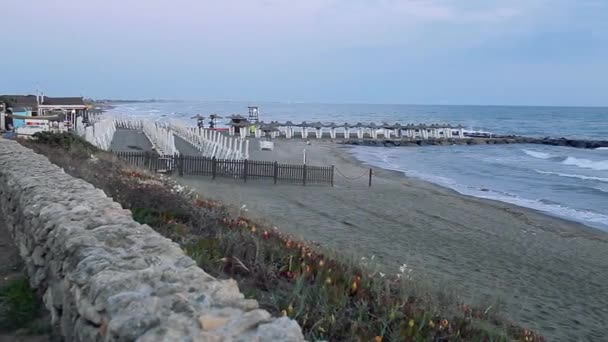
[{"x": 40, "y": 105}]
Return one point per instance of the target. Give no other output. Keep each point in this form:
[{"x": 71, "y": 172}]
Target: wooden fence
[{"x": 240, "y": 169}]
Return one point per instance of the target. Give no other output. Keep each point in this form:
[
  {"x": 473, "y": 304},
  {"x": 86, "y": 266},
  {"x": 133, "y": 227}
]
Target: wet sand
[{"x": 551, "y": 274}]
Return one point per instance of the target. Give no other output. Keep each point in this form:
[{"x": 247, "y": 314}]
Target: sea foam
[{"x": 599, "y": 165}]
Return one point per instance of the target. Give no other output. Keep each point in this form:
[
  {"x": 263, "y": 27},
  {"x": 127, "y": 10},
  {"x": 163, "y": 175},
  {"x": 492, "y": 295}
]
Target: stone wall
[{"x": 104, "y": 277}]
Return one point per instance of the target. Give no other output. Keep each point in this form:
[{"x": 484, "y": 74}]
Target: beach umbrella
[{"x": 237, "y": 117}]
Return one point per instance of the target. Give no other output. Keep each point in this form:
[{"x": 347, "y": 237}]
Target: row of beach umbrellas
[
  {"x": 345, "y": 125},
  {"x": 242, "y": 122}
]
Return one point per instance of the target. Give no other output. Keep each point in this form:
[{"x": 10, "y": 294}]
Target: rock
[
  {"x": 282, "y": 329},
  {"x": 211, "y": 322}
]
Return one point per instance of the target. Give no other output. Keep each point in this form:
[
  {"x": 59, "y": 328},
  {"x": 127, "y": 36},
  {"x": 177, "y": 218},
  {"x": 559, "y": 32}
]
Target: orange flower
[
  {"x": 443, "y": 324},
  {"x": 378, "y": 339}
]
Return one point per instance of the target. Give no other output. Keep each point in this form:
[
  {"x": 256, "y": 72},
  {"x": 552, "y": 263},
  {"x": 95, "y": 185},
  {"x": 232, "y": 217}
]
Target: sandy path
[{"x": 551, "y": 274}]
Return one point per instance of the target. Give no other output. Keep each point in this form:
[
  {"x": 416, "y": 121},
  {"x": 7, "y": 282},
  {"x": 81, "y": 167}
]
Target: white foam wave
[
  {"x": 537, "y": 154},
  {"x": 601, "y": 148},
  {"x": 599, "y": 165},
  {"x": 601, "y": 179},
  {"x": 593, "y": 218}
]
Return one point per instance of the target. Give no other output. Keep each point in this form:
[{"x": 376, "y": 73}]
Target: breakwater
[
  {"x": 480, "y": 140},
  {"x": 105, "y": 277}
]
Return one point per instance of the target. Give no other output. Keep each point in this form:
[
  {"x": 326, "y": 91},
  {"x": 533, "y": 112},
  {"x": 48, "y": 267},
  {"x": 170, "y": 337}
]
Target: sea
[{"x": 566, "y": 182}]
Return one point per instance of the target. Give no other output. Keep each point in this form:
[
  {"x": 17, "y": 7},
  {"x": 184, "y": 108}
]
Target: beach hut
[{"x": 237, "y": 123}]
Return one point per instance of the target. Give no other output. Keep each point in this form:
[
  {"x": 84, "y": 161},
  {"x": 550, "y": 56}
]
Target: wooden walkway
[{"x": 128, "y": 140}]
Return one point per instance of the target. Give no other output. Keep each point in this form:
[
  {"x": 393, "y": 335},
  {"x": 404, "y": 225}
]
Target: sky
[{"x": 519, "y": 52}]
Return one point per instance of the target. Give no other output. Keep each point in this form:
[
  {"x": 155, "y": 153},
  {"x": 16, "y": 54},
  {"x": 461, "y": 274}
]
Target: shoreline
[
  {"x": 349, "y": 158},
  {"x": 485, "y": 250}
]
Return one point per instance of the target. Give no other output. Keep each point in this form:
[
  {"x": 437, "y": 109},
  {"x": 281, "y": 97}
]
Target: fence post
[
  {"x": 370, "y": 177},
  {"x": 180, "y": 165},
  {"x": 276, "y": 172},
  {"x": 147, "y": 160},
  {"x": 213, "y": 167},
  {"x": 245, "y": 170},
  {"x": 304, "y": 175},
  {"x": 332, "y": 175}
]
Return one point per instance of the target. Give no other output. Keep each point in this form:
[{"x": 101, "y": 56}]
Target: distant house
[
  {"x": 39, "y": 105},
  {"x": 25, "y": 105},
  {"x": 69, "y": 104}
]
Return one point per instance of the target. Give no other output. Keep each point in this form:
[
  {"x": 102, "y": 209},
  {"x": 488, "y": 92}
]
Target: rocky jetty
[{"x": 480, "y": 140}]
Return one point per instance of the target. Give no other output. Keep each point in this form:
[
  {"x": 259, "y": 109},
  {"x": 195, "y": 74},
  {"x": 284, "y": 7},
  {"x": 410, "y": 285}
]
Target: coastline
[{"x": 538, "y": 264}]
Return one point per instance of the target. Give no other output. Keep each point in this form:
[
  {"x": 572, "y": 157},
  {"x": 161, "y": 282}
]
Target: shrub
[{"x": 18, "y": 304}]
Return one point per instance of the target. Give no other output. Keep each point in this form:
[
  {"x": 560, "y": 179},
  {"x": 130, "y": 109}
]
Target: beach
[{"x": 547, "y": 273}]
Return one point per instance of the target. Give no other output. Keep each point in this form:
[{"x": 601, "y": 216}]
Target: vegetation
[
  {"x": 19, "y": 305},
  {"x": 332, "y": 298}
]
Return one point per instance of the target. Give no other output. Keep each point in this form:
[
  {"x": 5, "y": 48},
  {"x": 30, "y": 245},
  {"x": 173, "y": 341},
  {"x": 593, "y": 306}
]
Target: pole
[
  {"x": 304, "y": 152},
  {"x": 370, "y": 177},
  {"x": 245, "y": 170},
  {"x": 276, "y": 171}
]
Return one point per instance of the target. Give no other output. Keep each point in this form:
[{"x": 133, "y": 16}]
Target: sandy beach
[{"x": 548, "y": 274}]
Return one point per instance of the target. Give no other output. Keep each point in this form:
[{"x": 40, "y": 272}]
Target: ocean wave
[
  {"x": 537, "y": 154},
  {"x": 600, "y": 179},
  {"x": 551, "y": 207},
  {"x": 547, "y": 206},
  {"x": 602, "y": 188},
  {"x": 601, "y": 148},
  {"x": 599, "y": 165}
]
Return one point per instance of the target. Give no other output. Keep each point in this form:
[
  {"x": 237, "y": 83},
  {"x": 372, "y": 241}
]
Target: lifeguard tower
[{"x": 254, "y": 114}]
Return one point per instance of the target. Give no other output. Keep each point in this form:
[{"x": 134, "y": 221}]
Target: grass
[
  {"x": 331, "y": 297},
  {"x": 19, "y": 305}
]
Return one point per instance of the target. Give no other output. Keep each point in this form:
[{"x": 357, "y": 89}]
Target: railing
[
  {"x": 239, "y": 169},
  {"x": 99, "y": 134},
  {"x": 212, "y": 143}
]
